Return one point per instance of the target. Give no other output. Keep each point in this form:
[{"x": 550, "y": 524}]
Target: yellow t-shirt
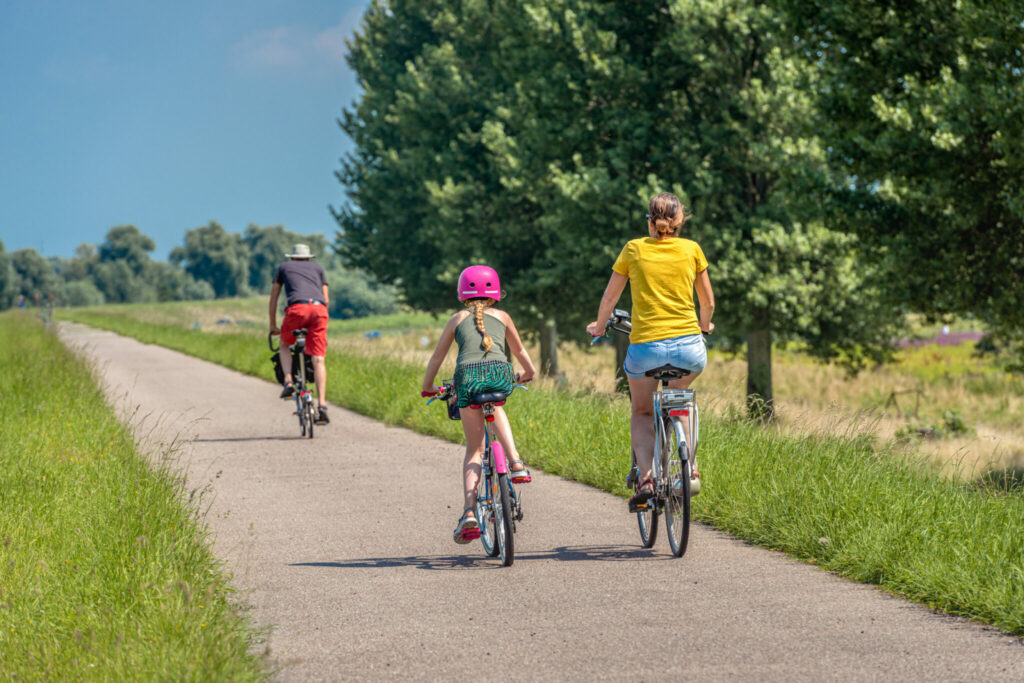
[{"x": 661, "y": 275}]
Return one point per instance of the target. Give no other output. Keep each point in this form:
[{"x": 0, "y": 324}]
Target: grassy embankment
[
  {"x": 833, "y": 500},
  {"x": 105, "y": 569}
]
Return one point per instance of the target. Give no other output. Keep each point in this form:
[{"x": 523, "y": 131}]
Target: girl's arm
[
  {"x": 707, "y": 301},
  {"x": 443, "y": 344},
  {"x": 612, "y": 292},
  {"x": 515, "y": 345}
]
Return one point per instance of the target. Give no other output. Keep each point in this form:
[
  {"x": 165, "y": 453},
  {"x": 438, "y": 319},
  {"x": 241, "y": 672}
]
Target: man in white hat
[{"x": 305, "y": 286}]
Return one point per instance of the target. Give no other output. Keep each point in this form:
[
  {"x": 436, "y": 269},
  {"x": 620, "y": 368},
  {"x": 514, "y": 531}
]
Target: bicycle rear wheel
[
  {"x": 503, "y": 519},
  {"x": 485, "y": 516},
  {"x": 677, "y": 502}
]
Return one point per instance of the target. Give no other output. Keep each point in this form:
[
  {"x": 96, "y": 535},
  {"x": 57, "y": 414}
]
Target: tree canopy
[
  {"x": 529, "y": 136},
  {"x": 921, "y": 105}
]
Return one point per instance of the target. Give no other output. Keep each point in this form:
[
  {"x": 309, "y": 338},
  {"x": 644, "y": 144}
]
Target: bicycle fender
[{"x": 498, "y": 453}]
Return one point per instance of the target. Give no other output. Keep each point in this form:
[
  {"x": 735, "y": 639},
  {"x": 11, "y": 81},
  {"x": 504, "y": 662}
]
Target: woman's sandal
[
  {"x": 520, "y": 476},
  {"x": 468, "y": 528},
  {"x": 644, "y": 492}
]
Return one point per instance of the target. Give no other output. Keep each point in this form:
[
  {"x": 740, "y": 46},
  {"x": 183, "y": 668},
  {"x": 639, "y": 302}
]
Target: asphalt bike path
[{"x": 341, "y": 547}]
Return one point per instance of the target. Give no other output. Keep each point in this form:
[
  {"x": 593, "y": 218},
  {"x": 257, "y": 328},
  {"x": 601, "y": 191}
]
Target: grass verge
[
  {"x": 105, "y": 570},
  {"x": 835, "y": 501}
]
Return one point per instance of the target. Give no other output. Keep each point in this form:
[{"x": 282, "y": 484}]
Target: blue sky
[{"x": 167, "y": 115}]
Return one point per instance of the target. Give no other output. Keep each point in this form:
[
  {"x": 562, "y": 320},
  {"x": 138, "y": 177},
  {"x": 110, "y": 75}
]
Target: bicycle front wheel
[
  {"x": 646, "y": 519},
  {"x": 503, "y": 518},
  {"x": 677, "y": 499},
  {"x": 310, "y": 418},
  {"x": 485, "y": 515}
]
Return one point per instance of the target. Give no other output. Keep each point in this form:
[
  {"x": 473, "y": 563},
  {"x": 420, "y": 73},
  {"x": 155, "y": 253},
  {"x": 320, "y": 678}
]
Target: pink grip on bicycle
[{"x": 498, "y": 453}]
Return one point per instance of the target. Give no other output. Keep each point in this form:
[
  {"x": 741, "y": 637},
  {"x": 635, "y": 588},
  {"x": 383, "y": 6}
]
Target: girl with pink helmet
[{"x": 485, "y": 336}]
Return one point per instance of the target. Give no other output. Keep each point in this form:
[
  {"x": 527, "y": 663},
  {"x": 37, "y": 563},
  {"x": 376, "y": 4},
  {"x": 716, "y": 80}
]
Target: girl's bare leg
[{"x": 473, "y": 428}]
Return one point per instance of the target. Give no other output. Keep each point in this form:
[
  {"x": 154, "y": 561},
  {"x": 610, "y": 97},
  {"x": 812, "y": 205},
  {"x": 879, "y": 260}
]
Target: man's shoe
[
  {"x": 321, "y": 418},
  {"x": 288, "y": 391}
]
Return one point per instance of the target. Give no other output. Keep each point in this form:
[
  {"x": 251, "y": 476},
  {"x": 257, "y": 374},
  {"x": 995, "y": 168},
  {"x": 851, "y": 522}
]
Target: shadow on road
[{"x": 602, "y": 553}]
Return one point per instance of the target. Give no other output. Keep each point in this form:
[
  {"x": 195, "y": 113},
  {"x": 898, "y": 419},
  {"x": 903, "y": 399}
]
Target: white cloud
[{"x": 294, "y": 48}]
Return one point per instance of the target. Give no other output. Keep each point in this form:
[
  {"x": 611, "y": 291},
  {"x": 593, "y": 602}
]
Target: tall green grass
[
  {"x": 105, "y": 568},
  {"x": 833, "y": 500}
]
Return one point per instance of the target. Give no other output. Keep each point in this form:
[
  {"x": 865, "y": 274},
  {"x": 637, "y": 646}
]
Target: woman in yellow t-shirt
[{"x": 662, "y": 270}]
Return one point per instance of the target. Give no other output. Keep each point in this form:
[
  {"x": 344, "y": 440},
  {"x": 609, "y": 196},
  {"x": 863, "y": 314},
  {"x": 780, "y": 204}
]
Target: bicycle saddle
[
  {"x": 495, "y": 397},
  {"x": 299, "y": 333},
  {"x": 667, "y": 372}
]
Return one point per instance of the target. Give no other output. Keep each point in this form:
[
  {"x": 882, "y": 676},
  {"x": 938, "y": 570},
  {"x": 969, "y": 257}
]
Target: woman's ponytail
[{"x": 667, "y": 214}]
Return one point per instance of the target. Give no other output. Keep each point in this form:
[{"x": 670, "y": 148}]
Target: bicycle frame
[{"x": 494, "y": 457}]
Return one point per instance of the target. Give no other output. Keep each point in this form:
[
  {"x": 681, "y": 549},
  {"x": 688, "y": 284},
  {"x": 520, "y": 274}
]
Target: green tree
[
  {"x": 267, "y": 247},
  {"x": 922, "y": 108},
  {"x": 127, "y": 244},
  {"x": 213, "y": 255},
  {"x": 82, "y": 293},
  {"x": 529, "y": 135},
  {"x": 34, "y": 276},
  {"x": 356, "y": 294},
  {"x": 119, "y": 283}
]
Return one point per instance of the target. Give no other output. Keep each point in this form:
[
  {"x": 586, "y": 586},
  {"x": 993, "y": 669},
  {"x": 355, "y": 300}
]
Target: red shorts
[{"x": 314, "y": 318}]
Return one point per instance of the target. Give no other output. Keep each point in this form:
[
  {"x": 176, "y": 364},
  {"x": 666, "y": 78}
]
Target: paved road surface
[{"x": 342, "y": 545}]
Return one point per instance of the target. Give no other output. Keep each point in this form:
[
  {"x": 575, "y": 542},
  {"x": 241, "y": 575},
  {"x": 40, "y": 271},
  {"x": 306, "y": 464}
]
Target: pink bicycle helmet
[{"x": 479, "y": 281}]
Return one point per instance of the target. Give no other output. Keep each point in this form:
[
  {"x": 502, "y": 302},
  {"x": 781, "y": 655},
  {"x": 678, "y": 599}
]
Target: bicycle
[
  {"x": 674, "y": 458},
  {"x": 498, "y": 505},
  {"x": 305, "y": 407}
]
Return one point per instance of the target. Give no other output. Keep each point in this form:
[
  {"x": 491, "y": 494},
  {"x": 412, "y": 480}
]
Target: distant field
[{"x": 916, "y": 389}]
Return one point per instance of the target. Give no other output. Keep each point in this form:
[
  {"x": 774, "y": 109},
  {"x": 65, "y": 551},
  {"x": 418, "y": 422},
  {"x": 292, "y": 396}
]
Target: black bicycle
[{"x": 302, "y": 380}]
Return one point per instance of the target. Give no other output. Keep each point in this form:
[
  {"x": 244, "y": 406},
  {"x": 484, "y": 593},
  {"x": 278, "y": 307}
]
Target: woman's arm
[
  {"x": 515, "y": 345},
  {"x": 612, "y": 292},
  {"x": 440, "y": 351},
  {"x": 707, "y": 301}
]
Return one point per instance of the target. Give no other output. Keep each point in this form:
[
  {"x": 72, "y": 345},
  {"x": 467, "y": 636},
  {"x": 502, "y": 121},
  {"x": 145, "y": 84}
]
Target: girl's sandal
[
  {"x": 468, "y": 528},
  {"x": 520, "y": 476}
]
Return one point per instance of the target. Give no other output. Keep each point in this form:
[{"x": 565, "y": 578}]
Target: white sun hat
[{"x": 300, "y": 251}]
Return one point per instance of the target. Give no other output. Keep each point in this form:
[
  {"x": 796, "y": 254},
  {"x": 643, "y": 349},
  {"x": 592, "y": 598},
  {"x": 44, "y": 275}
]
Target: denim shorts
[{"x": 687, "y": 352}]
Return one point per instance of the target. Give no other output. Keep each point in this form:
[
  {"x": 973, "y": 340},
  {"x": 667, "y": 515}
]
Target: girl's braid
[{"x": 478, "y": 306}]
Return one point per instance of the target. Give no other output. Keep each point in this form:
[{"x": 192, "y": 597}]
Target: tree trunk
[
  {"x": 549, "y": 349},
  {"x": 621, "y": 342},
  {"x": 760, "y": 402}
]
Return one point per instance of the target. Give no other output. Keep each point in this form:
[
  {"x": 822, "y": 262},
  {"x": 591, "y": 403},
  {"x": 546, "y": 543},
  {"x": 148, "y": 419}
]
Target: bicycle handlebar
[{"x": 621, "y": 321}]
